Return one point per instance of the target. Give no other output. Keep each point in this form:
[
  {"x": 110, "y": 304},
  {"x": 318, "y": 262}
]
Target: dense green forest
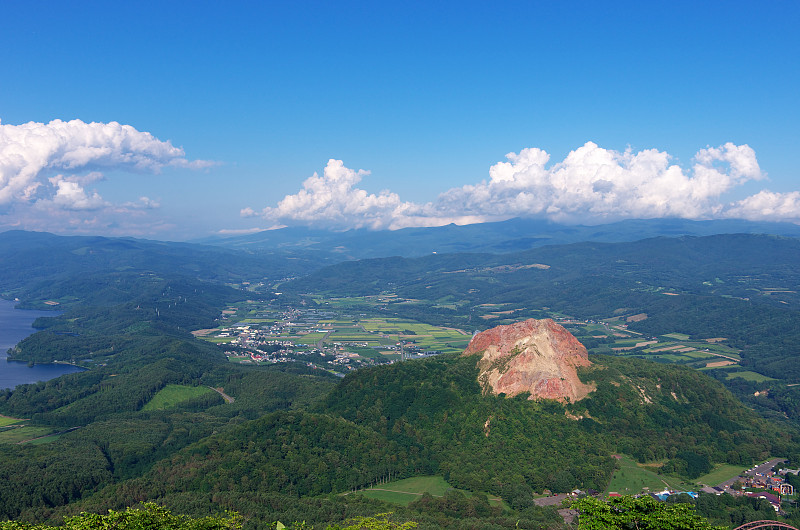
[{"x": 296, "y": 443}]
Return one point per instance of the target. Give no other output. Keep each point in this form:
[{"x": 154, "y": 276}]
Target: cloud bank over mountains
[
  {"x": 46, "y": 168},
  {"x": 591, "y": 185},
  {"x": 49, "y": 174}
]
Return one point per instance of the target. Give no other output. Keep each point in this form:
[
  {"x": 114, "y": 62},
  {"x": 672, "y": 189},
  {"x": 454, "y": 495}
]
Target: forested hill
[
  {"x": 31, "y": 261},
  {"x": 743, "y": 262},
  {"x": 430, "y": 417},
  {"x": 485, "y": 442}
]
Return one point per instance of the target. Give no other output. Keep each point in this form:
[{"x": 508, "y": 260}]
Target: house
[{"x": 774, "y": 500}]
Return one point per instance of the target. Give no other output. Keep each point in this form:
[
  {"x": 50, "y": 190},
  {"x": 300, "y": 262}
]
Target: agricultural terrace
[{"x": 612, "y": 337}]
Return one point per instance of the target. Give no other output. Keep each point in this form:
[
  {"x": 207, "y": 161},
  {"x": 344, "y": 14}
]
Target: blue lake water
[{"x": 15, "y": 325}]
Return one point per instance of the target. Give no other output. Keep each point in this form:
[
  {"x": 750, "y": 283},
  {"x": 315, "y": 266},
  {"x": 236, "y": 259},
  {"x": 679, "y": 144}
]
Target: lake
[{"x": 15, "y": 325}]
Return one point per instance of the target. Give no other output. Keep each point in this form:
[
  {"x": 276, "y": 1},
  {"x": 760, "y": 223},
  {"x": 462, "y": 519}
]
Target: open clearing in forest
[
  {"x": 632, "y": 478},
  {"x": 172, "y": 395},
  {"x": 407, "y": 490},
  {"x": 750, "y": 376},
  {"x": 7, "y": 420},
  {"x": 721, "y": 473},
  {"x": 21, "y": 434}
]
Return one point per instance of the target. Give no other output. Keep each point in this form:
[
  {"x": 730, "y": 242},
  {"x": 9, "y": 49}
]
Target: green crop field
[
  {"x": 6, "y": 420},
  {"x": 407, "y": 490},
  {"x": 44, "y": 440},
  {"x": 218, "y": 340},
  {"x": 352, "y": 336},
  {"x": 631, "y": 478},
  {"x": 750, "y": 376},
  {"x": 369, "y": 353},
  {"x": 677, "y": 336},
  {"x": 20, "y": 434},
  {"x": 310, "y": 339},
  {"x": 171, "y": 395},
  {"x": 721, "y": 473}
]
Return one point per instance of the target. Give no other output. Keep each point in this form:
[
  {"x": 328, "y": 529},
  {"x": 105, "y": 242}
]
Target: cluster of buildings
[
  {"x": 770, "y": 481},
  {"x": 768, "y": 484}
]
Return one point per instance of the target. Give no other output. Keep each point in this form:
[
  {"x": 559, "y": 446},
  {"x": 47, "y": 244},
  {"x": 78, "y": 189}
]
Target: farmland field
[
  {"x": 20, "y": 434},
  {"x": 677, "y": 336},
  {"x": 750, "y": 376},
  {"x": 6, "y": 420},
  {"x": 310, "y": 339}
]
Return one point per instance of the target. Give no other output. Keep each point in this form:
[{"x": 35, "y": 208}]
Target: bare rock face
[{"x": 536, "y": 356}]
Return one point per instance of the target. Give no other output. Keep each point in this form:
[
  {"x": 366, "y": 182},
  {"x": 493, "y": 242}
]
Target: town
[{"x": 338, "y": 342}]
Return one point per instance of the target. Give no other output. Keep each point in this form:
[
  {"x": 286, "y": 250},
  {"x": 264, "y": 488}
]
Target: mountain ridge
[{"x": 496, "y": 237}]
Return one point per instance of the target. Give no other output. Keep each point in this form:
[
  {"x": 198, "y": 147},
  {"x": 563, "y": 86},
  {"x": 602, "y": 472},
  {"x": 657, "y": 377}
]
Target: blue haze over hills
[{"x": 500, "y": 237}]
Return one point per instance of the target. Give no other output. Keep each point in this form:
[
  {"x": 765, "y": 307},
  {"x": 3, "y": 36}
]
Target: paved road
[
  {"x": 761, "y": 468},
  {"x": 550, "y": 501}
]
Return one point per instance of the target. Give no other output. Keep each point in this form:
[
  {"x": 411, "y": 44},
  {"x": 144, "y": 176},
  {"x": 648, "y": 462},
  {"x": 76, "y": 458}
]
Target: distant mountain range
[{"x": 501, "y": 237}]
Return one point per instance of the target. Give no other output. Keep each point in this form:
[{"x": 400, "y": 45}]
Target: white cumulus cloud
[
  {"x": 591, "y": 185},
  {"x": 48, "y": 172},
  {"x": 333, "y": 199},
  {"x": 32, "y": 152},
  {"x": 71, "y": 196},
  {"x": 768, "y": 206}
]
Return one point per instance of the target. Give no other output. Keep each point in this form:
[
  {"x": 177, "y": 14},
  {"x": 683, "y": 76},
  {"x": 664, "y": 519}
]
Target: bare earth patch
[{"x": 718, "y": 364}]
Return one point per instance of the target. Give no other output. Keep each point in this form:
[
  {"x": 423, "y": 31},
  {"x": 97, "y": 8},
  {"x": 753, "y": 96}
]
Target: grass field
[
  {"x": 721, "y": 473},
  {"x": 172, "y": 395},
  {"x": 750, "y": 376},
  {"x": 677, "y": 336},
  {"x": 405, "y": 491},
  {"x": 20, "y": 434},
  {"x": 44, "y": 440},
  {"x": 631, "y": 478},
  {"x": 7, "y": 420},
  {"x": 217, "y": 340},
  {"x": 310, "y": 339},
  {"x": 369, "y": 353}
]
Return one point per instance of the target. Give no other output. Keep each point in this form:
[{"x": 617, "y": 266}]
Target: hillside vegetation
[{"x": 297, "y": 439}]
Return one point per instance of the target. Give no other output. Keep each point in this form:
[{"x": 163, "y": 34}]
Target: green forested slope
[
  {"x": 489, "y": 443},
  {"x": 292, "y": 440}
]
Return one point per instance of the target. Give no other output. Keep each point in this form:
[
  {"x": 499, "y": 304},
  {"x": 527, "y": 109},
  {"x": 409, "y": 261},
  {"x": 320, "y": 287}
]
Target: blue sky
[{"x": 611, "y": 110}]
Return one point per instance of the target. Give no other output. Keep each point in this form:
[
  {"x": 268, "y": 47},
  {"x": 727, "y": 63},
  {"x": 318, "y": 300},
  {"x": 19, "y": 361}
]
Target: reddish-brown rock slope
[{"x": 536, "y": 356}]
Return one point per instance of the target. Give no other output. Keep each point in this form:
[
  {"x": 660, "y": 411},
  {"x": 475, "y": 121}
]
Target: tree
[
  {"x": 643, "y": 513},
  {"x": 149, "y": 516}
]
